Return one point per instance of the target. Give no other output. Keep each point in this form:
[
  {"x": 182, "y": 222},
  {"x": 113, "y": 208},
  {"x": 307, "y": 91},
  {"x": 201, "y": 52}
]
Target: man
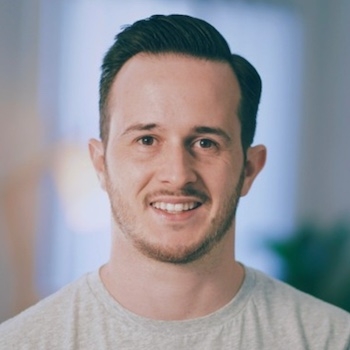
[{"x": 177, "y": 121}]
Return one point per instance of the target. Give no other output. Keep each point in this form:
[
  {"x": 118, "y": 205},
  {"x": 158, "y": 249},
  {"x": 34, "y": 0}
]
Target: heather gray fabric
[{"x": 265, "y": 314}]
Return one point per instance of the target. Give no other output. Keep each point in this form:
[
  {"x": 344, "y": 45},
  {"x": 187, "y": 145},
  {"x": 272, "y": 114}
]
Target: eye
[
  {"x": 146, "y": 140},
  {"x": 206, "y": 143}
]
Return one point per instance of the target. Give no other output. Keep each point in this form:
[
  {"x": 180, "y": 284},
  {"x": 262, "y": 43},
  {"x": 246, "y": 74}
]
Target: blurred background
[{"x": 54, "y": 219}]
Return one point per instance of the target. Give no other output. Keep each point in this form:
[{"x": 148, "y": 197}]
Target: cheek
[
  {"x": 218, "y": 179},
  {"x": 127, "y": 174},
  {"x": 226, "y": 172}
]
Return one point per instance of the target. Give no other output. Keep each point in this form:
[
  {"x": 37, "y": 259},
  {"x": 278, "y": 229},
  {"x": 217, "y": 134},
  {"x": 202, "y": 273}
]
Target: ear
[
  {"x": 256, "y": 158},
  {"x": 97, "y": 156}
]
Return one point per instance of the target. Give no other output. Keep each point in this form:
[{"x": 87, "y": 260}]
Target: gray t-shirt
[{"x": 265, "y": 314}]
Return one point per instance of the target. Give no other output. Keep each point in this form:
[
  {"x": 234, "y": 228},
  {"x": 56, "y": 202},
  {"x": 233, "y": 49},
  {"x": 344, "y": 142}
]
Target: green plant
[{"x": 317, "y": 261}]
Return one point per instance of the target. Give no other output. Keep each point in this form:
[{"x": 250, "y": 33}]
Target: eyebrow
[
  {"x": 140, "y": 127},
  {"x": 201, "y": 130},
  {"x": 214, "y": 131}
]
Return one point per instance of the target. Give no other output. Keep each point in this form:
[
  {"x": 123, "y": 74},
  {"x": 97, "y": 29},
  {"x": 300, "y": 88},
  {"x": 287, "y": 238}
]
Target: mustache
[{"x": 185, "y": 192}]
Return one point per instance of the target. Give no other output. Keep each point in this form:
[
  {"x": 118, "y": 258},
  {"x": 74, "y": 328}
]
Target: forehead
[
  {"x": 171, "y": 87},
  {"x": 164, "y": 65}
]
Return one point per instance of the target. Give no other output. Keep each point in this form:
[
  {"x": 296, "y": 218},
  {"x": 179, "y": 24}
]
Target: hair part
[{"x": 183, "y": 35}]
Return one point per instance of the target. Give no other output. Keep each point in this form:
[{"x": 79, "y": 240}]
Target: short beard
[{"x": 219, "y": 227}]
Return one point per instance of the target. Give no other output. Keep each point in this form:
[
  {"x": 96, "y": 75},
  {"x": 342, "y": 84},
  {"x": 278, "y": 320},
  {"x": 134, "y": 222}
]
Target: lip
[
  {"x": 175, "y": 216},
  {"x": 176, "y": 208}
]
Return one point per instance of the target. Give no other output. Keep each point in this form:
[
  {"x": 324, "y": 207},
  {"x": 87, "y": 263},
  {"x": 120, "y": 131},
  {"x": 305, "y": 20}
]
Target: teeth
[{"x": 174, "y": 208}]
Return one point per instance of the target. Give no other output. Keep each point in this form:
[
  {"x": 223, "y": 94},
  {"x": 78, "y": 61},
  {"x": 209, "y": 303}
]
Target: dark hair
[{"x": 184, "y": 35}]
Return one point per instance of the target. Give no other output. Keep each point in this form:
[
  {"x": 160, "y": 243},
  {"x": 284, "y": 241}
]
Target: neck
[{"x": 167, "y": 291}]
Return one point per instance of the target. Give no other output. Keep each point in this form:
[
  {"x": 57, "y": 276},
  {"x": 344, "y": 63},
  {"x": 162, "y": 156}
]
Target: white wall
[
  {"x": 324, "y": 190},
  {"x": 21, "y": 153}
]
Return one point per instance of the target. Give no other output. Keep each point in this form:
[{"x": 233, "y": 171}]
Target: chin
[{"x": 179, "y": 255}]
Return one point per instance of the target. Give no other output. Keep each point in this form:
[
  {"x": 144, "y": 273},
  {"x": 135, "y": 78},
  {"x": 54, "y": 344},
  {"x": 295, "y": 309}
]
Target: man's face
[{"x": 173, "y": 166}]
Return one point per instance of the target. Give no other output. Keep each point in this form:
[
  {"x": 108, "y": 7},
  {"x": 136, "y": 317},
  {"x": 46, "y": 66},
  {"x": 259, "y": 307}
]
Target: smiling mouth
[{"x": 175, "y": 207}]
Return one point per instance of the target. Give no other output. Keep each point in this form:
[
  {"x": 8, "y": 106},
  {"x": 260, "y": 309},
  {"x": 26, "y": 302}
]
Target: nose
[{"x": 177, "y": 167}]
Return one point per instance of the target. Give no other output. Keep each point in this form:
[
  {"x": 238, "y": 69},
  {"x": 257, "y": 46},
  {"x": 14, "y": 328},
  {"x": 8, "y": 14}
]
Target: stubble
[{"x": 219, "y": 226}]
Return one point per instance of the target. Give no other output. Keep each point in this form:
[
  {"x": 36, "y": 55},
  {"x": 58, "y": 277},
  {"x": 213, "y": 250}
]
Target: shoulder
[
  {"x": 39, "y": 321},
  {"x": 283, "y": 296},
  {"x": 291, "y": 311}
]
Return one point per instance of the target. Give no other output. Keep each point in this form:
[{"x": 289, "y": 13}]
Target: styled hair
[{"x": 183, "y": 35}]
